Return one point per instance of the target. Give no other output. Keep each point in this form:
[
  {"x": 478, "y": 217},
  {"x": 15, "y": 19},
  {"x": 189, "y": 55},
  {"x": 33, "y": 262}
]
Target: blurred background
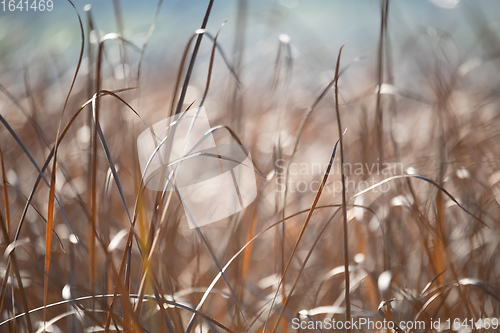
[
  {"x": 418, "y": 94},
  {"x": 316, "y": 28}
]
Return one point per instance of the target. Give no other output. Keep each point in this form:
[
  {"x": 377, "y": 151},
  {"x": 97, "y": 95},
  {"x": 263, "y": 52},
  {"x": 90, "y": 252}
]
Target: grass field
[{"x": 377, "y": 176}]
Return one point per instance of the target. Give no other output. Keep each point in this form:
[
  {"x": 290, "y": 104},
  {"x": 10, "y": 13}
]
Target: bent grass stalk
[{"x": 159, "y": 277}]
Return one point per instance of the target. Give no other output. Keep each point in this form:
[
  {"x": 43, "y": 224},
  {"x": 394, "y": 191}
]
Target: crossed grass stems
[{"x": 124, "y": 308}]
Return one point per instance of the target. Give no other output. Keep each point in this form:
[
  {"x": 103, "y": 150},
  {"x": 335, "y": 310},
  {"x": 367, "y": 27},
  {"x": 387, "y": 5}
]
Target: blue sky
[{"x": 317, "y": 28}]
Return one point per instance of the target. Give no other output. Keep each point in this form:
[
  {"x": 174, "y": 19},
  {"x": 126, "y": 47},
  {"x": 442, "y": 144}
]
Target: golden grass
[{"x": 90, "y": 248}]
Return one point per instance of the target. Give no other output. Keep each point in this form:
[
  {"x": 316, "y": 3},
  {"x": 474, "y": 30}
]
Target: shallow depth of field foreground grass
[{"x": 383, "y": 162}]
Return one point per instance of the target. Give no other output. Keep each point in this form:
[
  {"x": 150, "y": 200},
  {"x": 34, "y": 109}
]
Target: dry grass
[{"x": 407, "y": 205}]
